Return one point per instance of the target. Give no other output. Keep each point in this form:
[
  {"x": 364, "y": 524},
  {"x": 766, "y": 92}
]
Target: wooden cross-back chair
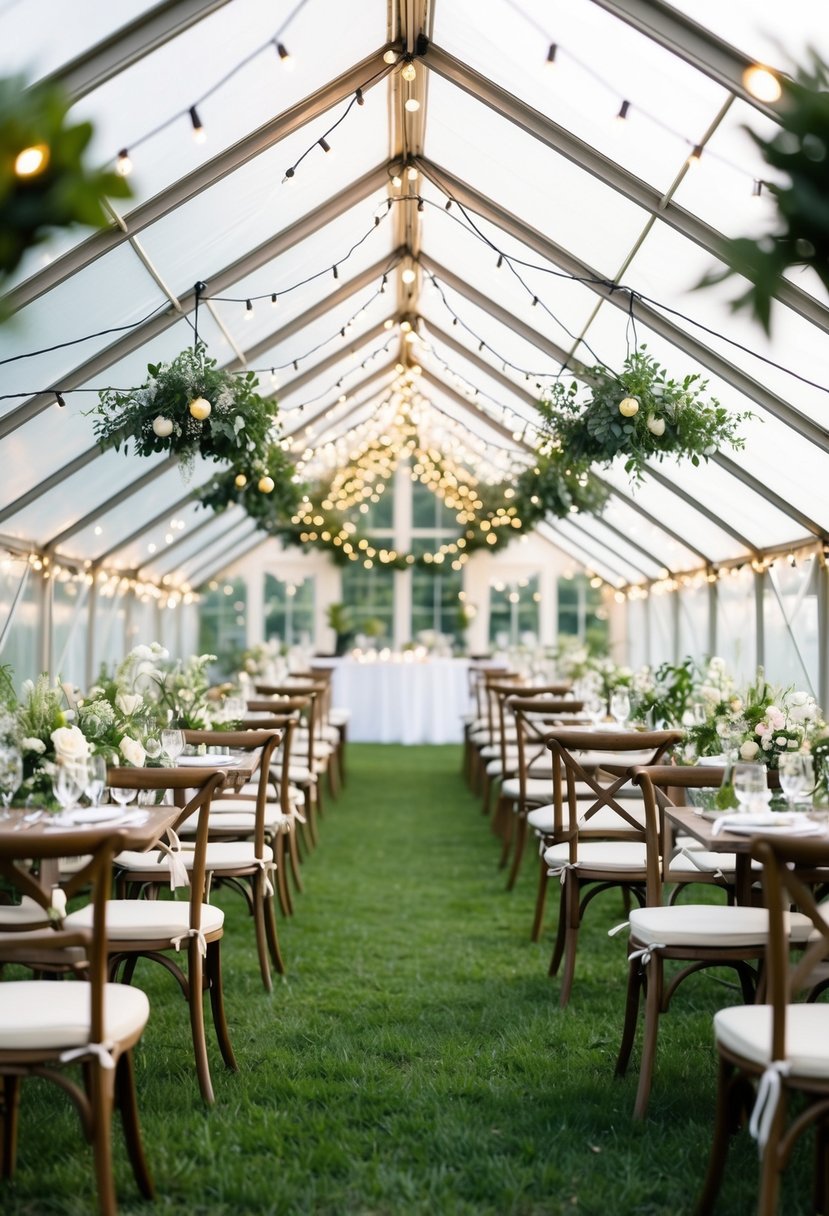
[
  {"x": 45, "y": 1028},
  {"x": 600, "y": 837},
  {"x": 693, "y": 936},
  {"x": 782, "y": 1046},
  {"x": 191, "y": 929}
]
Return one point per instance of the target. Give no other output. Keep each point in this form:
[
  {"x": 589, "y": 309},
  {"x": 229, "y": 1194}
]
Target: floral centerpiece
[
  {"x": 759, "y": 724},
  {"x": 642, "y": 414},
  {"x": 189, "y": 407}
]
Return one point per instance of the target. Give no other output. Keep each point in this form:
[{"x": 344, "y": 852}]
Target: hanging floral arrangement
[
  {"x": 189, "y": 407},
  {"x": 641, "y": 415},
  {"x": 265, "y": 486}
]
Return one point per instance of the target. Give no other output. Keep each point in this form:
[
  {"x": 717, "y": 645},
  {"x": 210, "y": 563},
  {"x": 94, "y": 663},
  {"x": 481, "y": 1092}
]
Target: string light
[
  {"x": 361, "y": 101},
  {"x": 273, "y": 298},
  {"x": 123, "y": 165},
  {"x": 695, "y": 154},
  {"x": 198, "y": 129},
  {"x": 624, "y": 108},
  {"x": 411, "y": 104},
  {"x": 32, "y": 160},
  {"x": 551, "y": 54},
  {"x": 324, "y": 144},
  {"x": 390, "y": 56},
  {"x": 60, "y": 399},
  {"x": 408, "y": 275},
  {"x": 249, "y": 310},
  {"x": 409, "y": 72},
  {"x": 762, "y": 83},
  {"x": 285, "y": 57}
]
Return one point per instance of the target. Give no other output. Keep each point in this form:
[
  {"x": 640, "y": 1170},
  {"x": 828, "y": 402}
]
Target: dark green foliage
[
  {"x": 800, "y": 150},
  {"x": 272, "y": 510},
  {"x": 65, "y": 191}
]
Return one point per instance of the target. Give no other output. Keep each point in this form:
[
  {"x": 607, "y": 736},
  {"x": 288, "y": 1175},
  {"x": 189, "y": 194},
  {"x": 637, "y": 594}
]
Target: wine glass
[
  {"x": 172, "y": 742},
  {"x": 749, "y": 781},
  {"x": 121, "y": 794},
  {"x": 68, "y": 783},
  {"x": 620, "y": 706},
  {"x": 594, "y": 708},
  {"x": 11, "y": 774},
  {"x": 796, "y": 776},
  {"x": 96, "y": 779}
]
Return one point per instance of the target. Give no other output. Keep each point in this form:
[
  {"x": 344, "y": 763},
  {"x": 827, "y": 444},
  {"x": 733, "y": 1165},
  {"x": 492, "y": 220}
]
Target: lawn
[{"x": 415, "y": 1059}]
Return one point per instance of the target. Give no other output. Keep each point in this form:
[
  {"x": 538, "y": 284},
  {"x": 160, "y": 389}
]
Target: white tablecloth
[{"x": 395, "y": 701}]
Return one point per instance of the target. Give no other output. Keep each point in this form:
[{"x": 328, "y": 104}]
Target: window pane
[{"x": 289, "y": 610}]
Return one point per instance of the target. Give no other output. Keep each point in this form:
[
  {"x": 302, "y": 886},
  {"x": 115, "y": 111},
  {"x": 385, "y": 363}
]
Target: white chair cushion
[
  {"x": 494, "y": 767},
  {"x": 27, "y": 912},
  {"x": 622, "y": 855},
  {"x": 29, "y": 1020},
  {"x": 746, "y": 1030},
  {"x": 708, "y": 925},
  {"x": 538, "y": 789},
  {"x": 302, "y": 776},
  {"x": 605, "y": 820},
  {"x": 135, "y": 919},
  {"x": 711, "y": 863},
  {"x": 220, "y": 855},
  {"x": 241, "y": 822},
  {"x": 339, "y": 716}
]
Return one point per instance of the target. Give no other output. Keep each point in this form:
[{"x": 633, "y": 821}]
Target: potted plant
[{"x": 339, "y": 619}]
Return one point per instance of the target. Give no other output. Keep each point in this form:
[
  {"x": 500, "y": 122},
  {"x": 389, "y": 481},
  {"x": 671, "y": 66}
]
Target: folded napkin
[{"x": 782, "y": 823}]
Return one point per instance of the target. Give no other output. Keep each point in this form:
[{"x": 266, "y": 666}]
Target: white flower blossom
[
  {"x": 30, "y": 744},
  {"x": 132, "y": 751}
]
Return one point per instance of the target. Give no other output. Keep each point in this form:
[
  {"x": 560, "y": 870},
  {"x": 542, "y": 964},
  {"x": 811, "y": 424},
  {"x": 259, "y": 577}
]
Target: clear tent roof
[{"x": 537, "y": 169}]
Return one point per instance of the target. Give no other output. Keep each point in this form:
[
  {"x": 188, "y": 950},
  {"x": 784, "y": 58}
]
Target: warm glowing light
[
  {"x": 31, "y": 161},
  {"x": 762, "y": 83}
]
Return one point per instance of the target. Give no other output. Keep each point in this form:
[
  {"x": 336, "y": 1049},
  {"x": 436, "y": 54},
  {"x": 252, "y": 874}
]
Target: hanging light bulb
[
  {"x": 411, "y": 173},
  {"x": 412, "y": 105},
  {"x": 551, "y": 54},
  {"x": 390, "y": 56},
  {"x": 198, "y": 129},
  {"x": 409, "y": 71},
  {"x": 397, "y": 181},
  {"x": 31, "y": 161},
  {"x": 695, "y": 155},
  {"x": 123, "y": 165},
  {"x": 408, "y": 275},
  {"x": 623, "y": 112},
  {"x": 762, "y": 83},
  {"x": 285, "y": 57},
  {"x": 248, "y": 310}
]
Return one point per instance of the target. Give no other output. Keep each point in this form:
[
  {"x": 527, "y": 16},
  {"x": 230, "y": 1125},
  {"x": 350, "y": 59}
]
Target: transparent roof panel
[
  {"x": 202, "y": 529},
  {"x": 246, "y": 209},
  {"x": 535, "y": 183},
  {"x": 621, "y": 546},
  {"x": 756, "y": 28},
  {"x": 35, "y": 36},
  {"x": 324, "y": 335},
  {"x": 670, "y": 104},
  {"x": 593, "y": 550},
  {"x": 715, "y": 543},
  {"x": 114, "y": 291},
  {"x": 251, "y": 97},
  {"x": 668, "y": 552}
]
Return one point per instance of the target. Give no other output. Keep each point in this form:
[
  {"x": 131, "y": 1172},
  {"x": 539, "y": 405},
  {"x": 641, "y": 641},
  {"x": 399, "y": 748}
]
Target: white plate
[
  {"x": 96, "y": 814},
  {"x": 205, "y": 761}
]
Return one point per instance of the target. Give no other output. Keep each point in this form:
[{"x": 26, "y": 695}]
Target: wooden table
[{"x": 694, "y": 824}]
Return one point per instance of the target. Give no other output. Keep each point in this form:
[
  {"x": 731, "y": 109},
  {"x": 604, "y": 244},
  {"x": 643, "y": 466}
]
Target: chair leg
[
  {"x": 125, "y": 1099},
  {"x": 724, "y": 1127},
  {"x": 506, "y": 844},
  {"x": 486, "y": 796},
  {"x": 213, "y": 965},
  {"x": 820, "y": 1182},
  {"x": 258, "y": 910},
  {"x": 283, "y": 894},
  {"x": 102, "y": 1093},
  {"x": 9, "y": 1116},
  {"x": 273, "y": 936},
  {"x": 636, "y": 979},
  {"x": 195, "y": 999},
  {"x": 293, "y": 857},
  {"x": 571, "y": 935},
  {"x": 561, "y": 930},
  {"x": 653, "y": 1006},
  {"x": 520, "y": 841},
  {"x": 540, "y": 901}
]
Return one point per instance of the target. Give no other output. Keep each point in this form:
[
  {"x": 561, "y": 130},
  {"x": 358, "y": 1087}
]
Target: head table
[{"x": 401, "y": 699}]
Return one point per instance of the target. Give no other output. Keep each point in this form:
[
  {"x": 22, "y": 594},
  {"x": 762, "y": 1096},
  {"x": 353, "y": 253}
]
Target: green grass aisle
[{"x": 415, "y": 1060}]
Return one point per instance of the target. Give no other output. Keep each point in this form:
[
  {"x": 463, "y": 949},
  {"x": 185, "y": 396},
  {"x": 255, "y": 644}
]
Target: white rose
[
  {"x": 132, "y": 751},
  {"x": 749, "y": 750},
  {"x": 782, "y": 741},
  {"x": 33, "y": 745},
  {"x": 159, "y": 651},
  {"x": 792, "y": 745},
  {"x": 141, "y": 652},
  {"x": 70, "y": 744},
  {"x": 128, "y": 703}
]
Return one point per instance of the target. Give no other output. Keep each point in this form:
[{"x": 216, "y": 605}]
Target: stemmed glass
[
  {"x": 121, "y": 794},
  {"x": 796, "y": 776},
  {"x": 172, "y": 742},
  {"x": 594, "y": 708},
  {"x": 11, "y": 775},
  {"x": 749, "y": 781},
  {"x": 68, "y": 783},
  {"x": 620, "y": 706},
  {"x": 96, "y": 779}
]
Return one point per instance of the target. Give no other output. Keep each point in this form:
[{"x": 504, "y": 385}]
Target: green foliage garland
[
  {"x": 236, "y": 430},
  {"x": 270, "y": 509},
  {"x": 64, "y": 191},
  {"x": 642, "y": 414}
]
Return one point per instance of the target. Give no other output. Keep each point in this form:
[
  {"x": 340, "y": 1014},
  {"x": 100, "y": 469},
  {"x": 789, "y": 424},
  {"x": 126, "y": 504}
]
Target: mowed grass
[{"x": 414, "y": 1060}]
